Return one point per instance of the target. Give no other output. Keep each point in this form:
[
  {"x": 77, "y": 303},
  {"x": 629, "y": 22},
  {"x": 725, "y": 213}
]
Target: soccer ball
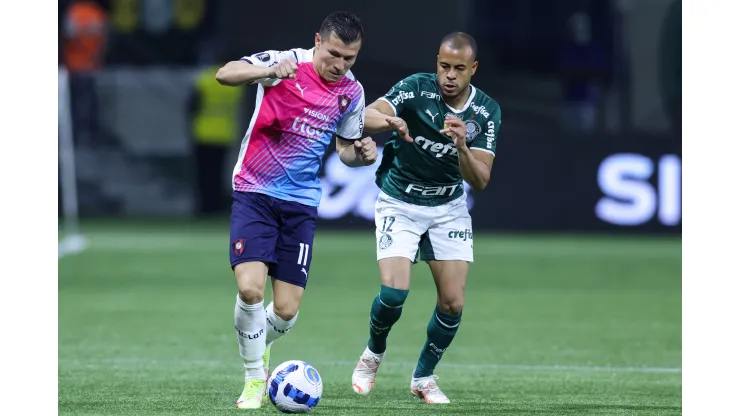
[{"x": 295, "y": 387}]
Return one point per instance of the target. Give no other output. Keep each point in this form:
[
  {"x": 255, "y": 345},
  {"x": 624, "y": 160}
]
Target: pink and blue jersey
[{"x": 292, "y": 126}]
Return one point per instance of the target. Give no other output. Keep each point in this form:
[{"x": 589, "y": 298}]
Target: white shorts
[{"x": 444, "y": 232}]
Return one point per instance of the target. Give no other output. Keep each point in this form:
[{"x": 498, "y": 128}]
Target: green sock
[
  {"x": 440, "y": 332},
  {"x": 384, "y": 313}
]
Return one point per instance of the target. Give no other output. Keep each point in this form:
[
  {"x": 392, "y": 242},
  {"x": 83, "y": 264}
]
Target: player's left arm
[
  {"x": 476, "y": 159},
  {"x": 358, "y": 152},
  {"x": 475, "y": 167},
  {"x": 353, "y": 150}
]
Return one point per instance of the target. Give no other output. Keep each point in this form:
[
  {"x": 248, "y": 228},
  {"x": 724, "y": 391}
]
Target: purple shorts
[{"x": 273, "y": 231}]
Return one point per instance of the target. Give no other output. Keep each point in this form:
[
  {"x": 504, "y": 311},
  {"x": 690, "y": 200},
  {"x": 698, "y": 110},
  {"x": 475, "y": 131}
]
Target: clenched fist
[
  {"x": 367, "y": 150},
  {"x": 285, "y": 69}
]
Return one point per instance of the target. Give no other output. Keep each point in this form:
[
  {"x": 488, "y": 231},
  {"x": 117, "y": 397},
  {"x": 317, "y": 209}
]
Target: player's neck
[
  {"x": 316, "y": 70},
  {"x": 459, "y": 101}
]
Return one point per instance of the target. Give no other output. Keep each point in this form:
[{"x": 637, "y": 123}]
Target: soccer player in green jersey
[{"x": 445, "y": 131}]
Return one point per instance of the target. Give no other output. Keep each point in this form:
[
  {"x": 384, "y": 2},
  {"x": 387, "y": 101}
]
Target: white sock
[
  {"x": 249, "y": 321},
  {"x": 276, "y": 326}
]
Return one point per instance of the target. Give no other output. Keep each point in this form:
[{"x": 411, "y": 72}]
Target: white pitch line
[
  {"x": 529, "y": 367},
  {"x": 185, "y": 243},
  {"x": 319, "y": 364}
]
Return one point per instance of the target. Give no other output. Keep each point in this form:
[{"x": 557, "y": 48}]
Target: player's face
[
  {"x": 333, "y": 58},
  {"x": 455, "y": 67}
]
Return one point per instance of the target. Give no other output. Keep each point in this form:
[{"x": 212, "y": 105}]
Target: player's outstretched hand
[
  {"x": 399, "y": 125},
  {"x": 285, "y": 69},
  {"x": 367, "y": 150},
  {"x": 455, "y": 128}
]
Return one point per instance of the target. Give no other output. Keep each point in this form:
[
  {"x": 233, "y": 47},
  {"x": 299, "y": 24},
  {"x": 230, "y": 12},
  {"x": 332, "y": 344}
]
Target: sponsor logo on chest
[{"x": 312, "y": 124}]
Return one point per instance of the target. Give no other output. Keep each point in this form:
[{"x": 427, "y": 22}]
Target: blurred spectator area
[
  {"x": 520, "y": 45},
  {"x": 567, "y": 74}
]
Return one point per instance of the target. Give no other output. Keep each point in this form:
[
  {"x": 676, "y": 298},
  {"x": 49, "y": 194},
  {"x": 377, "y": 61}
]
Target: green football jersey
[{"x": 426, "y": 172}]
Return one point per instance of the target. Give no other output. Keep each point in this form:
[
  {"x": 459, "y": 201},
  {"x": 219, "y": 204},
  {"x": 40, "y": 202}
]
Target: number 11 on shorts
[{"x": 303, "y": 254}]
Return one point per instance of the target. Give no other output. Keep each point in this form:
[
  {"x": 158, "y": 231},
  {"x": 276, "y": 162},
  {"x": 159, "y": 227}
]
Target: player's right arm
[
  {"x": 268, "y": 68},
  {"x": 236, "y": 73},
  {"x": 379, "y": 117},
  {"x": 386, "y": 112}
]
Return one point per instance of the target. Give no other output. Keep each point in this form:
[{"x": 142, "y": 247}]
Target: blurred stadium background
[{"x": 574, "y": 301}]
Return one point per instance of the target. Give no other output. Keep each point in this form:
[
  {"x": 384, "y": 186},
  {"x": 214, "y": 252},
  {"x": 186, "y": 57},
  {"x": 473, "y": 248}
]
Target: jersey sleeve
[
  {"x": 353, "y": 123},
  {"x": 267, "y": 59},
  {"x": 486, "y": 141},
  {"x": 400, "y": 94}
]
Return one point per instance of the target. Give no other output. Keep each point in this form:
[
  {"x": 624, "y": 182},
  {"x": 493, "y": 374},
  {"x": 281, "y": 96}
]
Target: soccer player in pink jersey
[{"x": 305, "y": 97}]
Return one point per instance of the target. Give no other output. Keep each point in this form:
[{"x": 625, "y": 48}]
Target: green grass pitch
[{"x": 552, "y": 326}]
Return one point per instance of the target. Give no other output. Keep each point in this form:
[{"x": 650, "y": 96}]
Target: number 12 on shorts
[
  {"x": 303, "y": 254},
  {"x": 387, "y": 224}
]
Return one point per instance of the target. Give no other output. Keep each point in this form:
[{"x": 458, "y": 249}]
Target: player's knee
[
  {"x": 395, "y": 272},
  {"x": 285, "y": 311},
  {"x": 252, "y": 294},
  {"x": 451, "y": 306},
  {"x": 250, "y": 281}
]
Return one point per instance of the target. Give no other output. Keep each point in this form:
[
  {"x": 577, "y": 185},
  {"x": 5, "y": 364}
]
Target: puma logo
[
  {"x": 304, "y": 272},
  {"x": 300, "y": 89},
  {"x": 430, "y": 114},
  {"x": 436, "y": 350}
]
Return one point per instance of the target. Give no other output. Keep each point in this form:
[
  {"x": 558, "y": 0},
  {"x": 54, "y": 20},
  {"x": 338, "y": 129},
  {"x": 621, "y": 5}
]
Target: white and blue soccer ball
[{"x": 295, "y": 387}]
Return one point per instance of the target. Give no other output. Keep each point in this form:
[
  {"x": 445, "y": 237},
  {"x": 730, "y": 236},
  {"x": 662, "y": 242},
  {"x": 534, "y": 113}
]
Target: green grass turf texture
[{"x": 553, "y": 325}]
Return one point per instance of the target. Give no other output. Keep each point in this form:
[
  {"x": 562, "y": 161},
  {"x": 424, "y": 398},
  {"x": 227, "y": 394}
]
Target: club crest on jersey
[
  {"x": 238, "y": 246},
  {"x": 472, "y": 129},
  {"x": 343, "y": 102}
]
